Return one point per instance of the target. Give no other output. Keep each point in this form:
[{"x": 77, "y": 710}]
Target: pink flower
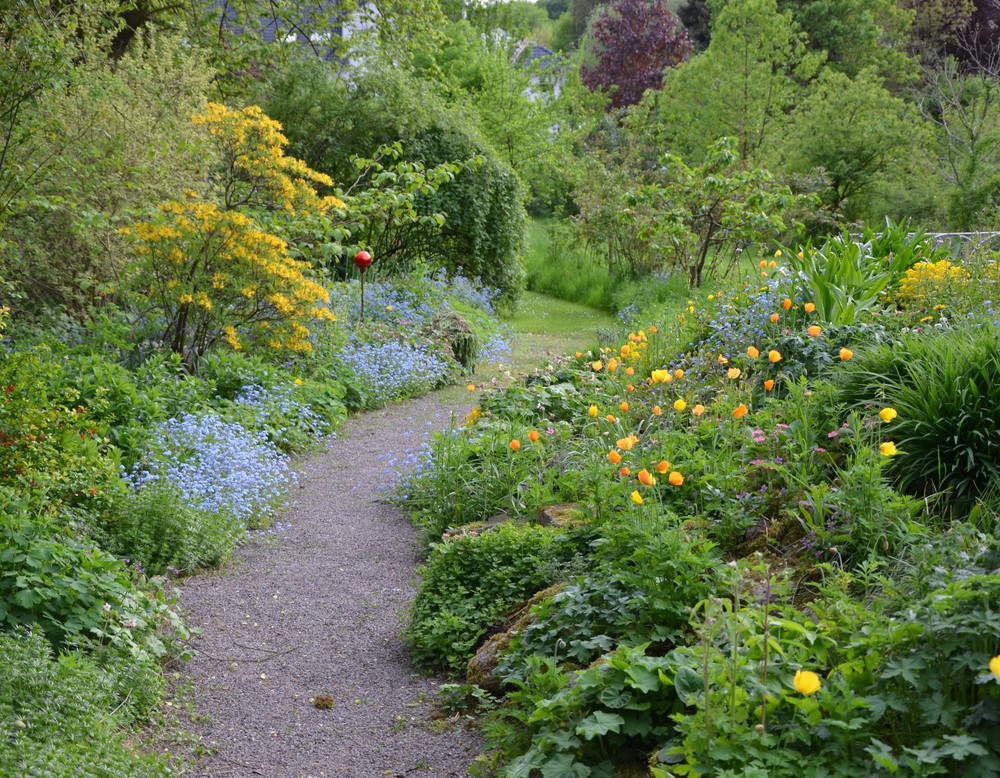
[{"x": 833, "y": 433}]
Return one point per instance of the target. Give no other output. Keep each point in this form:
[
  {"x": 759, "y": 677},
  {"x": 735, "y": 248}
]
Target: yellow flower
[
  {"x": 740, "y": 412},
  {"x": 846, "y": 353},
  {"x": 471, "y": 387},
  {"x": 597, "y": 365},
  {"x": 777, "y": 253},
  {"x": 806, "y": 682},
  {"x": 774, "y": 356},
  {"x": 814, "y": 331},
  {"x": 752, "y": 352},
  {"x": 636, "y": 497},
  {"x": 809, "y": 307},
  {"x": 298, "y": 382},
  {"x": 734, "y": 373},
  {"x": 388, "y": 308},
  {"x": 646, "y": 478},
  {"x": 698, "y": 410},
  {"x": 887, "y": 449},
  {"x": 579, "y": 354},
  {"x": 887, "y": 414},
  {"x": 592, "y": 411},
  {"x": 680, "y": 405},
  {"x": 659, "y": 376},
  {"x": 995, "y": 665},
  {"x": 722, "y": 360}
]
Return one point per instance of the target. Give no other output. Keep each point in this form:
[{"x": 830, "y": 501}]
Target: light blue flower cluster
[
  {"x": 462, "y": 289},
  {"x": 393, "y": 370},
  {"x": 495, "y": 348},
  {"x": 217, "y": 465},
  {"x": 276, "y": 410}
]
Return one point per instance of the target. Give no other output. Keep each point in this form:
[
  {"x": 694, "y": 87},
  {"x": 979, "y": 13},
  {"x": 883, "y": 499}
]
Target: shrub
[
  {"x": 945, "y": 387},
  {"x": 472, "y": 579},
  {"x": 59, "y": 715}
]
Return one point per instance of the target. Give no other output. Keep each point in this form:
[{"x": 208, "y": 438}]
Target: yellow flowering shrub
[
  {"x": 930, "y": 283},
  {"x": 211, "y": 275},
  {"x": 256, "y": 170}
]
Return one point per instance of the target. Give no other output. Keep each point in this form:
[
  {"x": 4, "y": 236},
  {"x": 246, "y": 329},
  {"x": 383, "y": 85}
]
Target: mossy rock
[
  {"x": 481, "y": 667},
  {"x": 459, "y": 335},
  {"x": 570, "y": 514}
]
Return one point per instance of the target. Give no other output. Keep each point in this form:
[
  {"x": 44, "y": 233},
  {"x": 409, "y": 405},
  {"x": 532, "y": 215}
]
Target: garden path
[{"x": 318, "y": 609}]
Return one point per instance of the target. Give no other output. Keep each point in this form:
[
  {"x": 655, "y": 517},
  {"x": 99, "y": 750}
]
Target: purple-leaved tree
[{"x": 633, "y": 42}]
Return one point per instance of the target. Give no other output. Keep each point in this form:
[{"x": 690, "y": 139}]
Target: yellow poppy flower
[
  {"x": 636, "y": 497},
  {"x": 597, "y": 365},
  {"x": 680, "y": 405},
  {"x": 887, "y": 449},
  {"x": 734, "y": 373},
  {"x": 774, "y": 356},
  {"x": 592, "y": 411},
  {"x": 752, "y": 352},
  {"x": 806, "y": 682},
  {"x": 698, "y": 410},
  {"x": 887, "y": 414},
  {"x": 676, "y": 479},
  {"x": 995, "y": 665},
  {"x": 809, "y": 307}
]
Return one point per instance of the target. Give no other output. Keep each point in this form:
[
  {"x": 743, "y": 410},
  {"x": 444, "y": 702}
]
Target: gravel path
[{"x": 318, "y": 609}]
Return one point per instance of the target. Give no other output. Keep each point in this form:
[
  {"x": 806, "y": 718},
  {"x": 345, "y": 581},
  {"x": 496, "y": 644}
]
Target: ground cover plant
[{"x": 750, "y": 487}]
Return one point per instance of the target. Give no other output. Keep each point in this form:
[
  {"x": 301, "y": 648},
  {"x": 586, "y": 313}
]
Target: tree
[
  {"x": 742, "y": 85},
  {"x": 633, "y": 42},
  {"x": 696, "y": 17},
  {"x": 851, "y": 129}
]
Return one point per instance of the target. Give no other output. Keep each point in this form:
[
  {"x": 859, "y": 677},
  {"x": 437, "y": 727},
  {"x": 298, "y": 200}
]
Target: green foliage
[
  {"x": 60, "y": 715},
  {"x": 472, "y": 579},
  {"x": 848, "y": 276},
  {"x": 78, "y": 594},
  {"x": 854, "y": 130},
  {"x": 157, "y": 527},
  {"x": 943, "y": 385}
]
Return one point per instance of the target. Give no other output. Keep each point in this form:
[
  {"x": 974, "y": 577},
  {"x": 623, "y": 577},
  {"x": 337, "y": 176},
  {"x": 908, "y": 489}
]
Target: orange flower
[
  {"x": 652, "y": 330},
  {"x": 629, "y": 371},
  {"x": 809, "y": 307},
  {"x": 656, "y": 410},
  {"x": 579, "y": 354},
  {"x": 740, "y": 412},
  {"x": 630, "y": 388},
  {"x": 769, "y": 384},
  {"x": 734, "y": 373},
  {"x": 814, "y": 331},
  {"x": 723, "y": 360},
  {"x": 801, "y": 255},
  {"x": 846, "y": 353},
  {"x": 676, "y": 479},
  {"x": 625, "y": 444},
  {"x": 625, "y": 471},
  {"x": 752, "y": 352},
  {"x": 614, "y": 457},
  {"x": 763, "y": 263},
  {"x": 774, "y": 356},
  {"x": 774, "y": 320},
  {"x": 611, "y": 418},
  {"x": 624, "y": 407},
  {"x": 471, "y": 387},
  {"x": 515, "y": 445},
  {"x": 678, "y": 373},
  {"x": 612, "y": 364},
  {"x": 533, "y": 436},
  {"x": 698, "y": 410},
  {"x": 646, "y": 478},
  {"x": 663, "y": 466},
  {"x": 786, "y": 303}
]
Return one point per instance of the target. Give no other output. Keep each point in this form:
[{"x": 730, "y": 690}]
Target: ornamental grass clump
[
  {"x": 945, "y": 389},
  {"x": 218, "y": 466}
]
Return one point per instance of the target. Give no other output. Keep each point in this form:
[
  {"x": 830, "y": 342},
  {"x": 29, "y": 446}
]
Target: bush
[
  {"x": 59, "y": 716},
  {"x": 472, "y": 579},
  {"x": 945, "y": 387}
]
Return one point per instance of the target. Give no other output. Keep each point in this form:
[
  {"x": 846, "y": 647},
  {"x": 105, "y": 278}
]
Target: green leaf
[
  {"x": 599, "y": 723},
  {"x": 688, "y": 684},
  {"x": 564, "y": 766}
]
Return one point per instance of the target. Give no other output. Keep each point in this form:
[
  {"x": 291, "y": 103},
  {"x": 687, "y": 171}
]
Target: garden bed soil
[{"x": 313, "y": 613}]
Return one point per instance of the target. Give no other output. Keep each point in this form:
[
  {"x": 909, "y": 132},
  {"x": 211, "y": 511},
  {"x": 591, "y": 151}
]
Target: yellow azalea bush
[
  {"x": 211, "y": 275},
  {"x": 257, "y": 172}
]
